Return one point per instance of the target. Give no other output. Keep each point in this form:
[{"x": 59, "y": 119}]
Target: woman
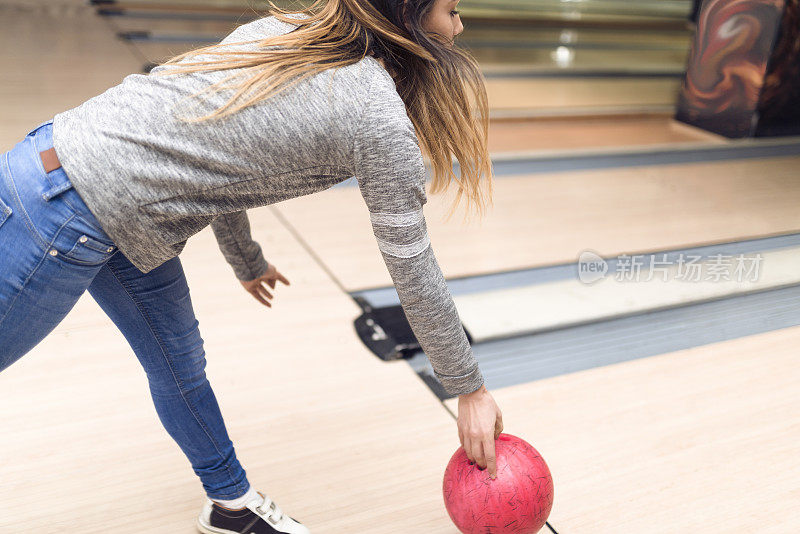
[{"x": 104, "y": 196}]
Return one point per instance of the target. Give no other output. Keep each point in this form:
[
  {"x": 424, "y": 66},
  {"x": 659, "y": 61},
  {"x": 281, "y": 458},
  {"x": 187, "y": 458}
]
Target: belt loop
[{"x": 47, "y": 195}]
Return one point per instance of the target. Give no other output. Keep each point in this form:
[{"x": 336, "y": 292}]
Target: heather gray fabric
[{"x": 153, "y": 181}]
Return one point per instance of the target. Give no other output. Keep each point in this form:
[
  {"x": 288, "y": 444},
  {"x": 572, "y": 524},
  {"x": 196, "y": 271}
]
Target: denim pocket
[
  {"x": 5, "y": 212},
  {"x": 77, "y": 245}
]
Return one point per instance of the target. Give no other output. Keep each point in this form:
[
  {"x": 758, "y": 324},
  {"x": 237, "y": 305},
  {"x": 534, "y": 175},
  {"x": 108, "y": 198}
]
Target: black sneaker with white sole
[{"x": 260, "y": 516}]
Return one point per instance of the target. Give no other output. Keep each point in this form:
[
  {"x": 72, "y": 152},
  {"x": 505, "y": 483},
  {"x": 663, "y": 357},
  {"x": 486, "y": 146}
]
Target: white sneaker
[{"x": 260, "y": 516}]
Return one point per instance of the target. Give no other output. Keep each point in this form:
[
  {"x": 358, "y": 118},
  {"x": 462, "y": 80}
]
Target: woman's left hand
[{"x": 258, "y": 289}]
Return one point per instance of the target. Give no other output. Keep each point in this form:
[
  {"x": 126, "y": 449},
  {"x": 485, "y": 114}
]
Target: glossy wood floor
[
  {"x": 548, "y": 219},
  {"x": 699, "y": 440},
  {"x": 542, "y": 134}
]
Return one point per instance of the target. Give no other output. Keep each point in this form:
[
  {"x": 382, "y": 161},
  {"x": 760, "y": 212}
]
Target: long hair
[{"x": 441, "y": 85}]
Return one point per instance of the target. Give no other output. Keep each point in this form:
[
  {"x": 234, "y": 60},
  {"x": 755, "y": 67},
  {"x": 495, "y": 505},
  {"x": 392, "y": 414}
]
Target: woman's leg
[
  {"x": 51, "y": 247},
  {"x": 154, "y": 313}
]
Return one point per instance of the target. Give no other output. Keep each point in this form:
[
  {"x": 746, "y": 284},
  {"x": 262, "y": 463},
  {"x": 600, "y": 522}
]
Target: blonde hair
[{"x": 441, "y": 85}]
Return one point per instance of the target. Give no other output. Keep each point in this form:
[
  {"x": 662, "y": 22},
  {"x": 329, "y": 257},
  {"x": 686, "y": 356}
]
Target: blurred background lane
[{"x": 610, "y": 69}]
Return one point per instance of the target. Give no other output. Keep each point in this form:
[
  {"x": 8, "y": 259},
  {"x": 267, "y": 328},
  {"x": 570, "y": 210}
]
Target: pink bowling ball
[{"x": 518, "y": 501}]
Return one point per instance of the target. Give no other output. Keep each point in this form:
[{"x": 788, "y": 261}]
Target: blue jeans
[{"x": 52, "y": 249}]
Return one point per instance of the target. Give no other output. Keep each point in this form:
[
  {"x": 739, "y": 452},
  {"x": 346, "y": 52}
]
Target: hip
[{"x": 46, "y": 206}]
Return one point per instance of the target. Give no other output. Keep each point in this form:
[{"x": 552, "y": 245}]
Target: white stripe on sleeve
[
  {"x": 405, "y": 251},
  {"x": 396, "y": 219}
]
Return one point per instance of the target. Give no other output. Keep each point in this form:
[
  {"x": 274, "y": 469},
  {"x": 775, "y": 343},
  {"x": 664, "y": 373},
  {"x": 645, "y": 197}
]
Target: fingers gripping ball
[{"x": 518, "y": 501}]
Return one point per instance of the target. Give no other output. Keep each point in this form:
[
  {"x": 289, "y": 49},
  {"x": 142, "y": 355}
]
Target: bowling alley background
[{"x": 645, "y": 157}]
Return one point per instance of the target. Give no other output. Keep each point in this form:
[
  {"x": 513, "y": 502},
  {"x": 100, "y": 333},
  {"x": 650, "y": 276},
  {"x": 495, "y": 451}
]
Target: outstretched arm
[{"x": 391, "y": 176}]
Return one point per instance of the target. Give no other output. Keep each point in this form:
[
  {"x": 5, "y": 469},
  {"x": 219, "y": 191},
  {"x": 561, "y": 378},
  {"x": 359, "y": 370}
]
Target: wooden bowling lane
[
  {"x": 703, "y": 439},
  {"x": 560, "y": 132},
  {"x": 56, "y": 71},
  {"x": 550, "y": 93},
  {"x": 548, "y": 219}
]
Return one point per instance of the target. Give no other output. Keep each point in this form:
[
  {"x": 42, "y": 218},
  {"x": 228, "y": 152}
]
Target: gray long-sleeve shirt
[{"x": 153, "y": 181}]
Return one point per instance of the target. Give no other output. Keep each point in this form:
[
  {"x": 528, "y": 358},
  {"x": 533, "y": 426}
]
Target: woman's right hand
[
  {"x": 480, "y": 422},
  {"x": 257, "y": 287}
]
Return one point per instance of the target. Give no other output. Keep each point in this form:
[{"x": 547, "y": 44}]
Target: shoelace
[{"x": 269, "y": 510}]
